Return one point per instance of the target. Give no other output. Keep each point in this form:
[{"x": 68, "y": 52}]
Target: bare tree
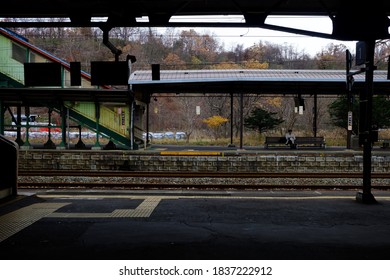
[{"x": 190, "y": 119}]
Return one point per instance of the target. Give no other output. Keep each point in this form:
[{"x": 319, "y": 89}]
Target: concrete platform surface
[{"x": 189, "y": 225}]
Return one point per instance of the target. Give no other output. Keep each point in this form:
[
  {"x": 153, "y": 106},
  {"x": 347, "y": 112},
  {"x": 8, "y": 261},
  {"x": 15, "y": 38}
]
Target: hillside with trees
[{"x": 176, "y": 49}]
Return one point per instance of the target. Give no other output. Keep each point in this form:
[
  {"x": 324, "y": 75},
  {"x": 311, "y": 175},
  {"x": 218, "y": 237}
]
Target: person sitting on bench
[{"x": 290, "y": 139}]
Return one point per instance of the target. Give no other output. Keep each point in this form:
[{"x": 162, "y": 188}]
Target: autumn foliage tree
[{"x": 215, "y": 123}]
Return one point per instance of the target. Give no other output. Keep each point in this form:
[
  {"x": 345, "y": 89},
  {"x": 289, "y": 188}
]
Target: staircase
[
  {"x": 113, "y": 122},
  {"x": 114, "y": 119}
]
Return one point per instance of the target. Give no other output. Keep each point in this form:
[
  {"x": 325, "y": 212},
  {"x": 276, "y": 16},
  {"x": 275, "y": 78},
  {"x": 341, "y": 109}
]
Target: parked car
[
  {"x": 32, "y": 119},
  {"x": 180, "y": 135},
  {"x": 158, "y": 135},
  {"x": 169, "y": 135},
  {"x": 150, "y": 135}
]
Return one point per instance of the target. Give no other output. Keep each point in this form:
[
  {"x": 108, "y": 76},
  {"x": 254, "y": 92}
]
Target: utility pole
[{"x": 350, "y": 81}]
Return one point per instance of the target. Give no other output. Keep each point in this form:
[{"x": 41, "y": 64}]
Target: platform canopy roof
[
  {"x": 265, "y": 81},
  {"x": 247, "y": 81},
  {"x": 352, "y": 20}
]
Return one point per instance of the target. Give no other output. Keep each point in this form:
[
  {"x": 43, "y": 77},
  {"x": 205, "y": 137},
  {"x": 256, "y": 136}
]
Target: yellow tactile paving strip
[
  {"x": 16, "y": 221},
  {"x": 144, "y": 210},
  {"x": 190, "y": 153}
]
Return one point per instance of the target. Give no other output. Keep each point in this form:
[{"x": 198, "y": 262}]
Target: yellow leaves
[
  {"x": 255, "y": 64},
  {"x": 173, "y": 61},
  {"x": 215, "y": 121},
  {"x": 195, "y": 60},
  {"x": 250, "y": 64},
  {"x": 226, "y": 65},
  {"x": 274, "y": 101},
  {"x": 172, "y": 58}
]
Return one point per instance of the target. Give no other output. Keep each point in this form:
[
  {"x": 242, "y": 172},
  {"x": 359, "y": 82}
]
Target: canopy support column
[
  {"x": 49, "y": 143},
  {"x": 241, "y": 119},
  {"x": 2, "y": 111},
  {"x": 64, "y": 123},
  {"x": 19, "y": 125},
  {"x": 366, "y": 195},
  {"x": 231, "y": 119},
  {"x": 315, "y": 109}
]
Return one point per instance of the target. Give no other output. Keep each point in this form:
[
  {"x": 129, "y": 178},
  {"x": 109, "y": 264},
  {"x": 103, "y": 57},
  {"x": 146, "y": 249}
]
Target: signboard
[
  {"x": 360, "y": 53},
  {"x": 123, "y": 117},
  {"x": 42, "y": 74},
  {"x": 109, "y": 73},
  {"x": 350, "y": 120}
]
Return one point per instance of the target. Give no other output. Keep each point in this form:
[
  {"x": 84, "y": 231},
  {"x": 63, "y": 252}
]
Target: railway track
[
  {"x": 71, "y": 179},
  {"x": 77, "y": 173}
]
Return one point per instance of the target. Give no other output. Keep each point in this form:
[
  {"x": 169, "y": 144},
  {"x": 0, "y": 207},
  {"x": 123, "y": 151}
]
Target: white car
[
  {"x": 158, "y": 135},
  {"x": 150, "y": 135},
  {"x": 180, "y": 135},
  {"x": 169, "y": 135}
]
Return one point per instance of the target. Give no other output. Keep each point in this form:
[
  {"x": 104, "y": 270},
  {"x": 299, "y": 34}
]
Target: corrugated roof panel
[{"x": 144, "y": 76}]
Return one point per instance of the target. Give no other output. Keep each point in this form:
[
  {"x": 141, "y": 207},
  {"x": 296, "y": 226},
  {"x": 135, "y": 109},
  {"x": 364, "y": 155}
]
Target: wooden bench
[{"x": 318, "y": 142}]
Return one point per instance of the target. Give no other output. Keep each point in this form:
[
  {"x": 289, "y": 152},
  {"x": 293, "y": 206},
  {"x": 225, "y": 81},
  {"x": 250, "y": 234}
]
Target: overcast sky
[{"x": 250, "y": 36}]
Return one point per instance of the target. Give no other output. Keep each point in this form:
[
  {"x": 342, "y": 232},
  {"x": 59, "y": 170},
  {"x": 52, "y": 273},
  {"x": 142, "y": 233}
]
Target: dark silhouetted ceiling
[{"x": 352, "y": 20}]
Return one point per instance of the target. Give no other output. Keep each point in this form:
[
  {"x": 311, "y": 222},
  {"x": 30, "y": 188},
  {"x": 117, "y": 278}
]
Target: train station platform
[
  {"x": 177, "y": 158},
  {"x": 194, "y": 225}
]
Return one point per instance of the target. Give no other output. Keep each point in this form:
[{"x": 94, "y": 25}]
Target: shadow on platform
[{"x": 179, "y": 224}]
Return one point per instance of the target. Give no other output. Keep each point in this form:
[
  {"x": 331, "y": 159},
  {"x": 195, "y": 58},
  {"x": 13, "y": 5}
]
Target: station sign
[{"x": 350, "y": 120}]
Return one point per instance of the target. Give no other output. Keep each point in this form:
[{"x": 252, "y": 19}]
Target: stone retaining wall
[{"x": 234, "y": 162}]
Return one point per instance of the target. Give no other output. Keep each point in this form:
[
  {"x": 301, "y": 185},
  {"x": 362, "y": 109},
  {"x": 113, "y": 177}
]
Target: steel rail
[
  {"x": 75, "y": 181},
  {"x": 163, "y": 174},
  {"x": 165, "y": 186}
]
